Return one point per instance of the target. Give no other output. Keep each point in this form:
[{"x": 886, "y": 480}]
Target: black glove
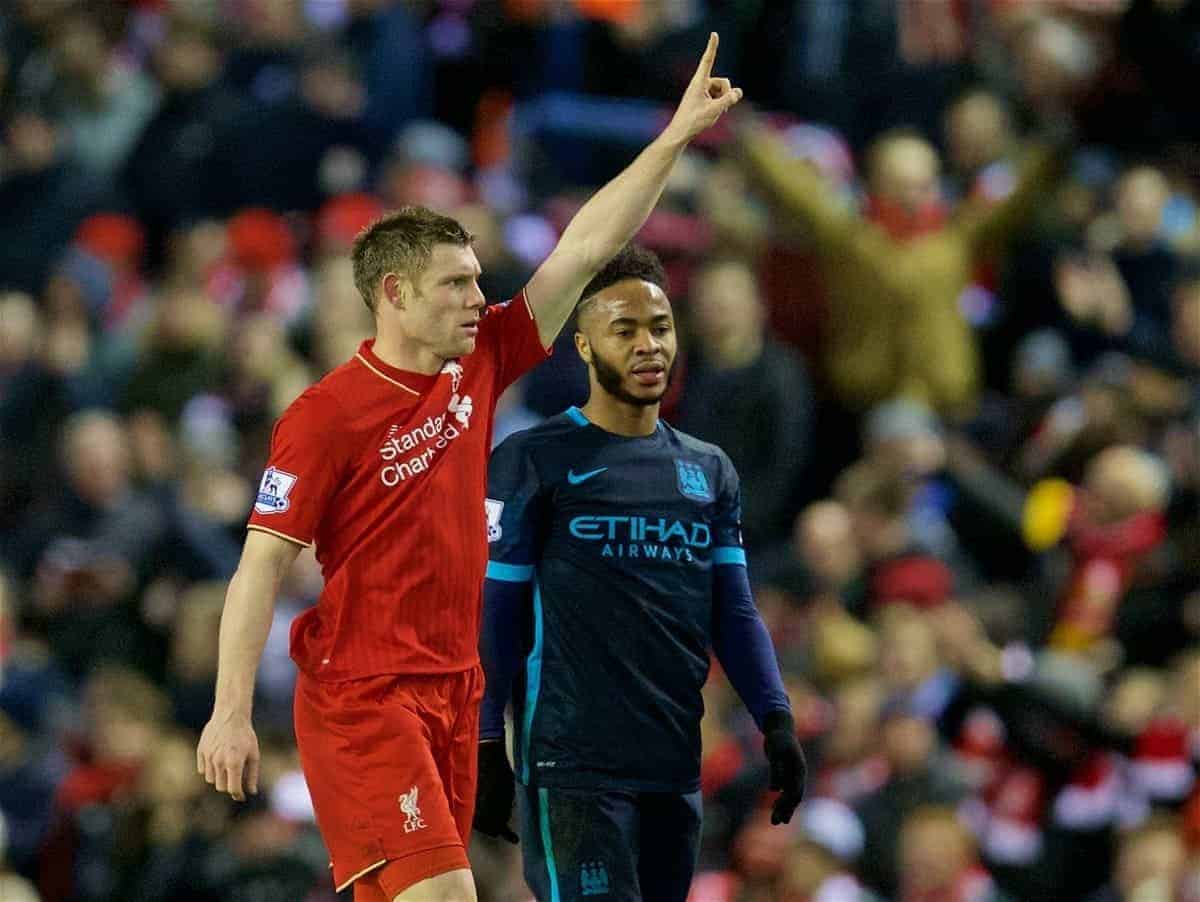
[
  {"x": 495, "y": 792},
  {"x": 786, "y": 760}
]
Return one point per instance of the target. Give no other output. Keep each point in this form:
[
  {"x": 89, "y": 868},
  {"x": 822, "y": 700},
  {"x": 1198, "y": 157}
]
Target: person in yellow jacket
[{"x": 895, "y": 275}]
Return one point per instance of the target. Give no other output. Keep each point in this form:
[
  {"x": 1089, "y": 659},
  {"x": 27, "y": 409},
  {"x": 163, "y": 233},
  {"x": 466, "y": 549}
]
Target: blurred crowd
[{"x": 941, "y": 305}]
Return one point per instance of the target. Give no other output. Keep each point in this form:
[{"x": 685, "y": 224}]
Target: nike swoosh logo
[{"x": 576, "y": 478}]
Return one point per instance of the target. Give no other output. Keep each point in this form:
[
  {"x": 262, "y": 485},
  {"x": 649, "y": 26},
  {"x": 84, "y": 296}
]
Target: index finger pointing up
[{"x": 704, "y": 70}]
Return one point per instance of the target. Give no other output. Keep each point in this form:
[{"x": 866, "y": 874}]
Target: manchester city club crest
[{"x": 693, "y": 482}]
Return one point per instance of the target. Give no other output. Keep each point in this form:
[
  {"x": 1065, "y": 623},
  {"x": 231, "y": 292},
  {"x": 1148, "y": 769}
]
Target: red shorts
[{"x": 391, "y": 763}]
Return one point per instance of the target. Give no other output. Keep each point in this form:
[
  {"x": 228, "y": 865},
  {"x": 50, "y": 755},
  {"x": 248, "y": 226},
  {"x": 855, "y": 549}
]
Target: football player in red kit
[{"x": 382, "y": 466}]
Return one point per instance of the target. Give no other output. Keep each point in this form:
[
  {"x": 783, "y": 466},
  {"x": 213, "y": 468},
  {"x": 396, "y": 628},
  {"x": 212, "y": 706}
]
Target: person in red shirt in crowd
[{"x": 382, "y": 466}]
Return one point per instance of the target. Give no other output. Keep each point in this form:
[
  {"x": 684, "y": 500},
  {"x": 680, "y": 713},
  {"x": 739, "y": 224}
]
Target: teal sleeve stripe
[
  {"x": 547, "y": 844},
  {"x": 577, "y": 416},
  {"x": 729, "y": 555},
  {"x": 533, "y": 683},
  {"x": 510, "y": 573}
]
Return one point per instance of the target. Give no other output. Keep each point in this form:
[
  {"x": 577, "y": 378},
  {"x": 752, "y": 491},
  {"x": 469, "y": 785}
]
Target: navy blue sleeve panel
[
  {"x": 513, "y": 528},
  {"x": 740, "y": 638},
  {"x": 513, "y": 519},
  {"x": 504, "y": 601},
  {"x": 744, "y": 646}
]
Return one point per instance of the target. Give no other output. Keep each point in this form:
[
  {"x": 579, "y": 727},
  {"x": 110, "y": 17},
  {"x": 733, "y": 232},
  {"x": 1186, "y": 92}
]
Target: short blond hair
[{"x": 401, "y": 241}]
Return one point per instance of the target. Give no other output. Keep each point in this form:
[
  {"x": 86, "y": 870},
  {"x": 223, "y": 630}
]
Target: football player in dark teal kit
[{"x": 616, "y": 566}]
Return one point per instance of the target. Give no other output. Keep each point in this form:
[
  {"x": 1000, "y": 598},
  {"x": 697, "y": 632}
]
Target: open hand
[{"x": 706, "y": 98}]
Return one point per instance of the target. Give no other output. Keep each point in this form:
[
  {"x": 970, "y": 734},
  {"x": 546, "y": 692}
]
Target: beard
[{"x": 613, "y": 381}]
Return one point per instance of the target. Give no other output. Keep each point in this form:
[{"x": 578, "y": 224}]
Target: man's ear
[
  {"x": 397, "y": 290},
  {"x": 583, "y": 346}
]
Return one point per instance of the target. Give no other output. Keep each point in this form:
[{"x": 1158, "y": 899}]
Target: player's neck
[
  {"x": 619, "y": 418},
  {"x": 395, "y": 350}
]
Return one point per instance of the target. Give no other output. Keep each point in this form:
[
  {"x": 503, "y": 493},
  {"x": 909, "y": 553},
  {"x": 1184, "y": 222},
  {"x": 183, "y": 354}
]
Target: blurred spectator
[
  {"x": 747, "y": 394},
  {"x": 895, "y": 278},
  {"x": 905, "y": 438},
  {"x": 167, "y": 814},
  {"x": 937, "y": 861},
  {"x": 759, "y": 851},
  {"x": 898, "y": 566},
  {"x": 265, "y": 374},
  {"x": 1056, "y": 57},
  {"x": 32, "y": 404},
  {"x": 173, "y": 175},
  {"x": 100, "y": 100},
  {"x": 819, "y": 866},
  {"x": 264, "y": 272},
  {"x": 823, "y": 560},
  {"x": 266, "y": 59},
  {"x": 1150, "y": 864},
  {"x": 124, "y": 715},
  {"x": 1121, "y": 300},
  {"x": 119, "y": 241},
  {"x": 182, "y": 357},
  {"x": 390, "y": 50},
  {"x": 85, "y": 550},
  {"x": 979, "y": 145},
  {"x": 273, "y": 153},
  {"x": 919, "y": 775},
  {"x": 1113, "y": 527},
  {"x": 43, "y": 198}
]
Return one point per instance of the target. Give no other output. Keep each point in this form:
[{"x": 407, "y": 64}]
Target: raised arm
[
  {"x": 228, "y": 752},
  {"x": 613, "y": 215},
  {"x": 988, "y": 228},
  {"x": 796, "y": 188}
]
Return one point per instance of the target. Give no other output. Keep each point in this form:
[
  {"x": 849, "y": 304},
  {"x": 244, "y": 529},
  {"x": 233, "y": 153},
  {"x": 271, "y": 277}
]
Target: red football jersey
[{"x": 386, "y": 471}]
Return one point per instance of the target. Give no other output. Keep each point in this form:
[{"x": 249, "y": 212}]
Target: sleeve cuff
[
  {"x": 303, "y": 543},
  {"x": 509, "y": 573},
  {"x": 729, "y": 555}
]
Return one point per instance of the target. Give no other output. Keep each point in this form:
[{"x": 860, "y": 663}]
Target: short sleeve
[
  {"x": 511, "y": 332},
  {"x": 727, "y": 518},
  {"x": 513, "y": 512},
  {"x": 302, "y": 470}
]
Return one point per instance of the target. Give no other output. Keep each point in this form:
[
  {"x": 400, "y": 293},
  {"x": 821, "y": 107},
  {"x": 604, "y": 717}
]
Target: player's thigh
[
  {"x": 375, "y": 784},
  {"x": 577, "y": 844},
  {"x": 453, "y": 886},
  {"x": 670, "y": 833}
]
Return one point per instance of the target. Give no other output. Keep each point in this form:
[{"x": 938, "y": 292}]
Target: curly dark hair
[{"x": 631, "y": 262}]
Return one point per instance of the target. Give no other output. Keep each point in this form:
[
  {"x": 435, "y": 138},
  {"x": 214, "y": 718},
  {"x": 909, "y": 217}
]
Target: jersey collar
[{"x": 412, "y": 383}]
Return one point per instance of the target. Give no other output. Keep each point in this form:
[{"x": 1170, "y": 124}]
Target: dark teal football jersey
[{"x": 617, "y": 537}]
